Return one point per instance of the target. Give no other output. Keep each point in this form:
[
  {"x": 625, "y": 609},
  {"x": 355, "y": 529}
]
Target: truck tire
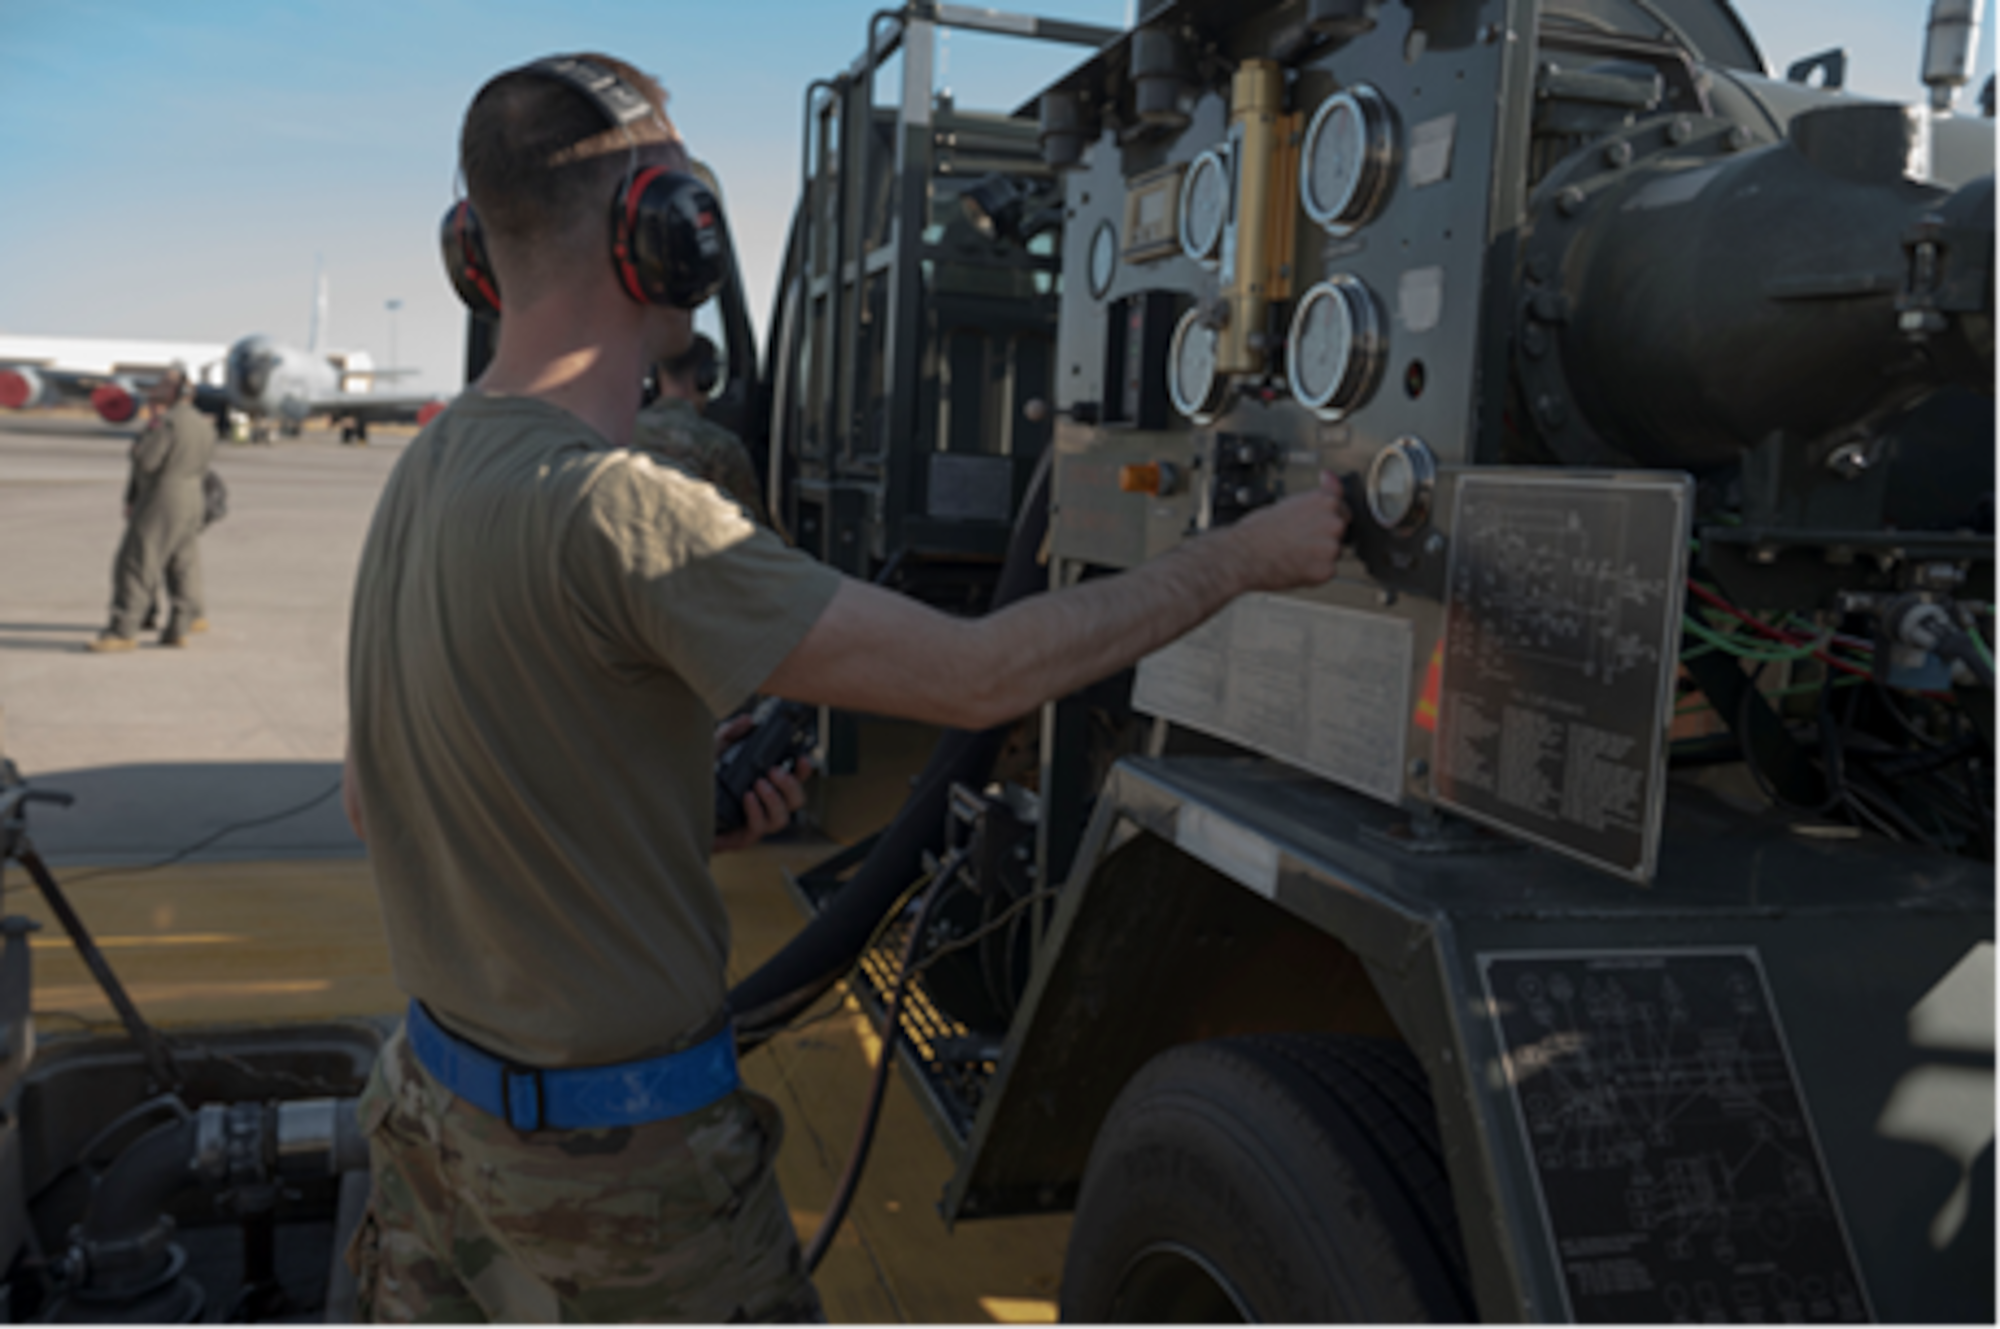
[{"x": 1286, "y": 1177}]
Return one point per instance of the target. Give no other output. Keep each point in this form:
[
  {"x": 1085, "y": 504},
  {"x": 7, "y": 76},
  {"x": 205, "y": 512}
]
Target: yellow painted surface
[
  {"x": 893, "y": 1259},
  {"x": 269, "y": 942},
  {"x": 203, "y": 943}
]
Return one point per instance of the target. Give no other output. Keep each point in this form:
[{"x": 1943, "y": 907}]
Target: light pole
[{"x": 392, "y": 306}]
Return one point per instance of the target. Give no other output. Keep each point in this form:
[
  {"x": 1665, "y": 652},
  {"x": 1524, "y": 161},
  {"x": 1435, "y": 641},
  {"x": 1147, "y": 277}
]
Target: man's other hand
[
  {"x": 769, "y": 805},
  {"x": 1295, "y": 541}
]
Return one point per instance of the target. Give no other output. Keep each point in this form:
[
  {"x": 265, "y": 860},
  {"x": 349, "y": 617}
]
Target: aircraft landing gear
[{"x": 354, "y": 431}]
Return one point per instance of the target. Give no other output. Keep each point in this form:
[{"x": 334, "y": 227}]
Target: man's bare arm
[{"x": 882, "y": 653}]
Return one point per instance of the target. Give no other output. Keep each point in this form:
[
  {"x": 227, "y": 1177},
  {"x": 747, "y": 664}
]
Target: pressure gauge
[
  {"x": 1334, "y": 353},
  {"x": 1348, "y": 159},
  {"x": 1198, "y": 391},
  {"x": 1205, "y": 205},
  {"x": 1103, "y": 258},
  {"x": 1400, "y": 481}
]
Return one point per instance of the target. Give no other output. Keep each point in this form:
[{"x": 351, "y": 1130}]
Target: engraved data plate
[
  {"x": 1323, "y": 688},
  {"x": 1562, "y": 633},
  {"x": 1679, "y": 1176}
]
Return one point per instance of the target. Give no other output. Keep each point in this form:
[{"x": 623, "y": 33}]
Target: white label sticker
[
  {"x": 1430, "y": 150},
  {"x": 1323, "y": 688},
  {"x": 1420, "y": 298}
]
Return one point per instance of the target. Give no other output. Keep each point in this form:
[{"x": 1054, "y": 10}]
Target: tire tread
[{"x": 1296, "y": 1104}]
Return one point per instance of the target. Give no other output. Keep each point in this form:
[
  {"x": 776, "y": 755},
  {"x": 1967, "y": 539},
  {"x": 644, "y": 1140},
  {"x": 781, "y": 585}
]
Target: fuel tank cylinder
[{"x": 1709, "y": 294}]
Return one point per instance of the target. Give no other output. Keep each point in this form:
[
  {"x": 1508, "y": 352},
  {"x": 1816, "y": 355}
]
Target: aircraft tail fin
[{"x": 317, "y": 324}]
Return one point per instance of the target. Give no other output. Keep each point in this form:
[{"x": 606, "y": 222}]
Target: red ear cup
[
  {"x": 669, "y": 244},
  {"x": 465, "y": 260}
]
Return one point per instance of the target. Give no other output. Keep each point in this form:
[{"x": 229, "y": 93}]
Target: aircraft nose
[{"x": 250, "y": 369}]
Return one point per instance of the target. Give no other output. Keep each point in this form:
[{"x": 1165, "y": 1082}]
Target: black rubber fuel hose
[
  {"x": 890, "y": 1034},
  {"x": 781, "y": 988}
]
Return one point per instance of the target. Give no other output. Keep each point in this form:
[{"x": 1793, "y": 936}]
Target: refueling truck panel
[{"x": 1582, "y": 907}]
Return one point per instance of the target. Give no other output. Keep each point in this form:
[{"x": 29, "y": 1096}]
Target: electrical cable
[
  {"x": 891, "y": 1033},
  {"x": 1853, "y": 792},
  {"x": 1002, "y": 919},
  {"x": 1982, "y": 806},
  {"x": 749, "y": 1040},
  {"x": 1757, "y": 775},
  {"x": 1964, "y": 647},
  {"x": 1856, "y": 790},
  {"x": 1852, "y": 643},
  {"x": 206, "y": 840},
  {"x": 827, "y": 947},
  {"x": 1903, "y": 721},
  {"x": 1758, "y": 625},
  {"x": 1734, "y": 646}
]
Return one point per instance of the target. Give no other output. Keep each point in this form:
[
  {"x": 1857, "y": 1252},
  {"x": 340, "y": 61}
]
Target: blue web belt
[{"x": 628, "y": 1093}]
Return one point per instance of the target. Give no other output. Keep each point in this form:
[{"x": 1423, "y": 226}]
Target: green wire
[
  {"x": 1723, "y": 642},
  {"x": 1978, "y": 642}
]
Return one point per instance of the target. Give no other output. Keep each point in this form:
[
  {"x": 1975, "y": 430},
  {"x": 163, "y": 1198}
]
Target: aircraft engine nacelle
[
  {"x": 115, "y": 400},
  {"x": 20, "y": 388}
]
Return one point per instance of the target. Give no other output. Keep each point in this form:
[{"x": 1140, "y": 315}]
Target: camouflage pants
[{"x": 472, "y": 1220}]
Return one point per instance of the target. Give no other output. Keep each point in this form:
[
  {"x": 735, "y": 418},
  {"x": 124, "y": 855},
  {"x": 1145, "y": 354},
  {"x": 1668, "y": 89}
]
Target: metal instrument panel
[
  {"x": 1408, "y": 250},
  {"x": 1562, "y": 633}
]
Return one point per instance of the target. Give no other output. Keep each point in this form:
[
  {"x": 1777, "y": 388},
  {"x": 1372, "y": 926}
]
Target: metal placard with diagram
[
  {"x": 1563, "y": 612},
  {"x": 1679, "y": 1174}
]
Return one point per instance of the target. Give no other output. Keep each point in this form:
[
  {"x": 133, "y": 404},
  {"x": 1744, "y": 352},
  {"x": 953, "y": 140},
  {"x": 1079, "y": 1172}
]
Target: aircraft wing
[
  {"x": 46, "y": 371},
  {"x": 378, "y": 408}
]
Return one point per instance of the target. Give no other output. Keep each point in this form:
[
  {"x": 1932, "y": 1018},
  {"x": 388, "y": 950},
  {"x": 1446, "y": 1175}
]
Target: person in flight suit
[
  {"x": 676, "y": 426},
  {"x": 164, "y": 506},
  {"x": 547, "y": 623}
]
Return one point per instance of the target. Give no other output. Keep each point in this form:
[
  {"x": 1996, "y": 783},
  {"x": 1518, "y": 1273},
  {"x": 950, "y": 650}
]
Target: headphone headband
[
  {"x": 669, "y": 244},
  {"x": 621, "y": 103}
]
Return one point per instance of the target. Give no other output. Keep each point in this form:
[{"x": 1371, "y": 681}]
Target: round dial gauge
[
  {"x": 1192, "y": 382},
  {"x": 1205, "y": 205},
  {"x": 1400, "y": 480},
  {"x": 1348, "y": 159},
  {"x": 1334, "y": 353},
  {"x": 1103, "y": 258}
]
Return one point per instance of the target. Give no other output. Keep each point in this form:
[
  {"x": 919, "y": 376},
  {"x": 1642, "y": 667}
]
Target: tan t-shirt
[{"x": 545, "y": 630}]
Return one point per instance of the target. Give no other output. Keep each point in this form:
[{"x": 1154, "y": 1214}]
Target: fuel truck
[{"x": 1582, "y": 907}]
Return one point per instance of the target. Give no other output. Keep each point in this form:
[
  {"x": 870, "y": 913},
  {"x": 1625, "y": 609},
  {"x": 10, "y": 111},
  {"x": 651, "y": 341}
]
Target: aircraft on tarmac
[
  {"x": 271, "y": 383},
  {"x": 111, "y": 374},
  {"x": 256, "y": 377}
]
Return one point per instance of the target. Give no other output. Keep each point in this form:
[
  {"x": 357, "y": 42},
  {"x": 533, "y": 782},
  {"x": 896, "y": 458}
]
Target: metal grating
[{"x": 944, "y": 1059}]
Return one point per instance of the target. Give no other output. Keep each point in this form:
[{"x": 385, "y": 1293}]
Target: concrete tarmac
[
  {"x": 166, "y": 747},
  {"x": 227, "y": 754}
]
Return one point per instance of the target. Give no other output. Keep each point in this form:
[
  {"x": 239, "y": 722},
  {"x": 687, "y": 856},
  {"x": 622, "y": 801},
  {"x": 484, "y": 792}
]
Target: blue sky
[{"x": 176, "y": 170}]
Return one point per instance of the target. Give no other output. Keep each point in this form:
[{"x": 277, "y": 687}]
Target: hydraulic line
[{"x": 829, "y": 946}]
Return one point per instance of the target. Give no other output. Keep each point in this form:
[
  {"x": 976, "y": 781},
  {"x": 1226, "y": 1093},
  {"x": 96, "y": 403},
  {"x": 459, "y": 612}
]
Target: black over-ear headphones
[{"x": 669, "y": 245}]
